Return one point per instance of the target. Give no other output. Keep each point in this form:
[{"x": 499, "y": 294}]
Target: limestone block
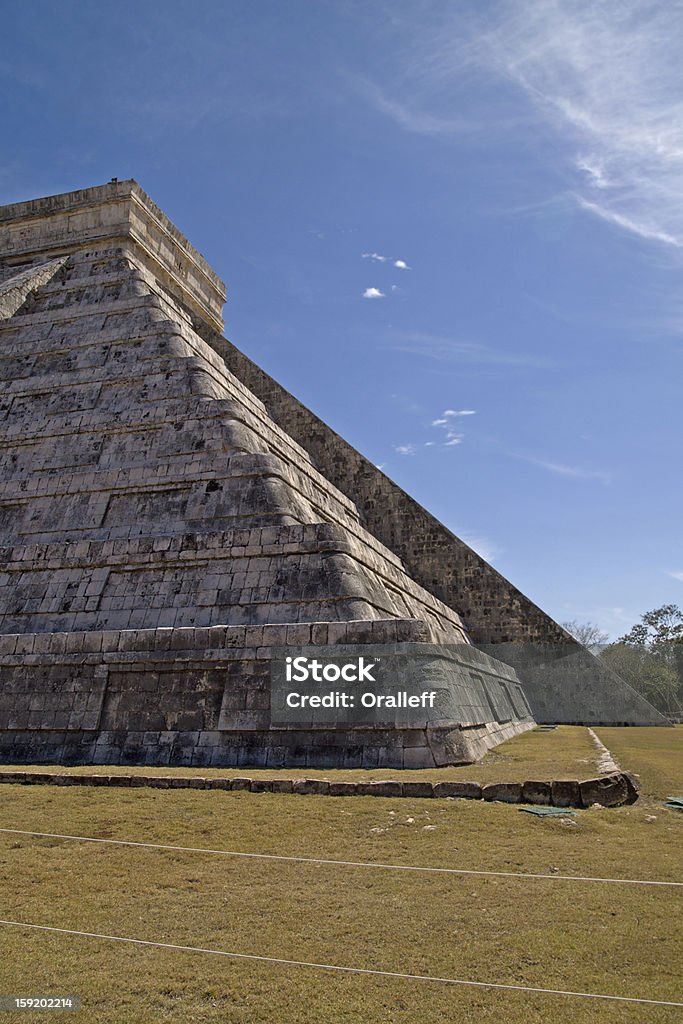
[
  {"x": 464, "y": 790},
  {"x": 536, "y": 793},
  {"x": 610, "y": 791},
  {"x": 505, "y": 792},
  {"x": 566, "y": 794}
]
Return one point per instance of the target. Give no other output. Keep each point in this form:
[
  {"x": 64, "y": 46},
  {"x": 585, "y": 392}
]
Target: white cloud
[
  {"x": 459, "y": 412},
  {"x": 405, "y": 449},
  {"x": 452, "y": 439},
  {"x": 373, "y": 293},
  {"x": 375, "y": 257},
  {"x": 401, "y": 265},
  {"x": 439, "y": 423},
  {"x": 606, "y": 78},
  {"x": 675, "y": 574}
]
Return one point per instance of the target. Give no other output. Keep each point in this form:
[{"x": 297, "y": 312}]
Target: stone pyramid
[{"x": 170, "y": 517}]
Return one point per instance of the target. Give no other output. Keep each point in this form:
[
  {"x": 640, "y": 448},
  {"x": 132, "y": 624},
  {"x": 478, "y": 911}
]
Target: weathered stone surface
[
  {"x": 566, "y": 794},
  {"x": 343, "y": 789},
  {"x": 388, "y": 788},
  {"x": 282, "y": 786},
  {"x": 218, "y": 784},
  {"x": 241, "y": 783},
  {"x": 261, "y": 786},
  {"x": 505, "y": 792},
  {"x": 536, "y": 793},
  {"x": 632, "y": 787},
  {"x": 306, "y": 787},
  {"x": 421, "y": 789},
  {"x": 610, "y": 791},
  {"x": 464, "y": 790}
]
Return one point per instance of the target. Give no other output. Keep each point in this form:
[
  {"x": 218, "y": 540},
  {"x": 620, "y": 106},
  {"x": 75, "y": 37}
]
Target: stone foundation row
[{"x": 608, "y": 791}]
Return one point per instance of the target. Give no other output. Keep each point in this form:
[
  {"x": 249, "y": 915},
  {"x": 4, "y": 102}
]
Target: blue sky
[{"x": 514, "y": 358}]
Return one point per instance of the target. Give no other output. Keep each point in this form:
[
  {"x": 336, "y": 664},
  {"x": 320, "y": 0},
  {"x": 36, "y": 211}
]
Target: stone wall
[{"x": 201, "y": 696}]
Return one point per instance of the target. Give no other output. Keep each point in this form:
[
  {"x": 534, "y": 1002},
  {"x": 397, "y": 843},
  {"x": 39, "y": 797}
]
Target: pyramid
[{"x": 172, "y": 522}]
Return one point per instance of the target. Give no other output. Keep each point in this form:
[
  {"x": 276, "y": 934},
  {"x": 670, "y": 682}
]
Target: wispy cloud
[
  {"x": 447, "y": 437},
  {"x": 606, "y": 78},
  {"x": 451, "y": 437},
  {"x": 447, "y": 349},
  {"x": 373, "y": 293},
  {"x": 637, "y": 227},
  {"x": 675, "y": 574},
  {"x": 488, "y": 549},
  {"x": 560, "y": 469},
  {"x": 377, "y": 257},
  {"x": 407, "y": 114}
]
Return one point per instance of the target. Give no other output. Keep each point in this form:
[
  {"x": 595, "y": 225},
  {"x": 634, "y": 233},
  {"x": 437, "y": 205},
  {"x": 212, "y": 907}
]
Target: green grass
[
  {"x": 654, "y": 755},
  {"x": 551, "y": 934},
  {"x": 564, "y": 753}
]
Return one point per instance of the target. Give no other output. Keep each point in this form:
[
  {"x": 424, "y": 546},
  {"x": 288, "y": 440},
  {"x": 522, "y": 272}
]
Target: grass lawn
[
  {"x": 590, "y": 937},
  {"x": 654, "y": 755}
]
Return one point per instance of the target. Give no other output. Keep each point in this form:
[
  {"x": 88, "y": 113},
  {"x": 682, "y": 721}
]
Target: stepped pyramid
[{"x": 170, "y": 517}]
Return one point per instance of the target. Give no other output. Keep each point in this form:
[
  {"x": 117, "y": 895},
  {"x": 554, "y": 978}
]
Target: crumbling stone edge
[{"x": 607, "y": 791}]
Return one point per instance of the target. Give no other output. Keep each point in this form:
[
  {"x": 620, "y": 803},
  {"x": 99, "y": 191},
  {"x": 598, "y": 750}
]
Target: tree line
[{"x": 649, "y": 657}]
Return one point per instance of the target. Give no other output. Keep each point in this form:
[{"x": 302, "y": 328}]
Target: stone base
[{"x": 201, "y": 696}]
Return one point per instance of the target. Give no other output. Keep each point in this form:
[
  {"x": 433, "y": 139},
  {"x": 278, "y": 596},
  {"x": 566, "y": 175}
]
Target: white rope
[
  {"x": 340, "y": 863},
  {"x": 337, "y": 967}
]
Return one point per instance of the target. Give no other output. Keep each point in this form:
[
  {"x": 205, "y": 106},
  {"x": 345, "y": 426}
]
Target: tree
[
  {"x": 661, "y": 626},
  {"x": 650, "y": 657},
  {"x": 588, "y": 634}
]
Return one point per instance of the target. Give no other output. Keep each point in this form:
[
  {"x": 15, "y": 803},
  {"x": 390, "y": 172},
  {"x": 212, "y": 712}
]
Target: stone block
[
  {"x": 241, "y": 783},
  {"x": 388, "y": 788},
  {"x": 536, "y": 793},
  {"x": 418, "y": 757},
  {"x": 308, "y": 787},
  {"x": 463, "y": 790},
  {"x": 261, "y": 786},
  {"x": 343, "y": 789},
  {"x": 609, "y": 791},
  {"x": 566, "y": 793},
  {"x": 418, "y": 789},
  {"x": 504, "y": 792},
  {"x": 282, "y": 786},
  {"x": 219, "y": 784}
]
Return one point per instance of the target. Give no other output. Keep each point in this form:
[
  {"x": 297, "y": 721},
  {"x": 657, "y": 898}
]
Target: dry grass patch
[
  {"x": 654, "y": 754},
  {"x": 550, "y": 934},
  {"x": 612, "y": 939}
]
